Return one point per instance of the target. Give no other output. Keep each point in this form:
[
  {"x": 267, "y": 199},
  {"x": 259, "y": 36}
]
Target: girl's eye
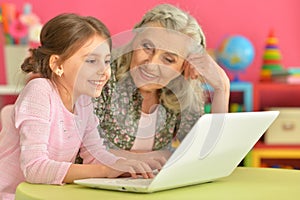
[
  {"x": 91, "y": 61},
  {"x": 107, "y": 62}
]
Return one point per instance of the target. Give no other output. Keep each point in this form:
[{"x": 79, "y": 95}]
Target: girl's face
[
  {"x": 157, "y": 58},
  {"x": 88, "y": 70}
]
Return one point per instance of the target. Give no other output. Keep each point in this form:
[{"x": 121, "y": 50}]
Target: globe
[{"x": 235, "y": 53}]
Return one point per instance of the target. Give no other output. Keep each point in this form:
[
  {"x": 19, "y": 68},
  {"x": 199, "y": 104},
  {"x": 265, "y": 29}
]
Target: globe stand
[{"x": 236, "y": 78}]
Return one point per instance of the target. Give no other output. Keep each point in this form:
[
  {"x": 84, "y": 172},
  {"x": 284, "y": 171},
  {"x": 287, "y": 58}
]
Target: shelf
[
  {"x": 280, "y": 93},
  {"x": 247, "y": 89},
  {"x": 263, "y": 155},
  {"x": 240, "y": 86},
  {"x": 10, "y": 89}
]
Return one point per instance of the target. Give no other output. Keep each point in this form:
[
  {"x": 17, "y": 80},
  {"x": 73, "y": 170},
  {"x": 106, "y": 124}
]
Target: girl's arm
[
  {"x": 80, "y": 171},
  {"x": 93, "y": 151},
  {"x": 120, "y": 167},
  {"x": 33, "y": 121}
]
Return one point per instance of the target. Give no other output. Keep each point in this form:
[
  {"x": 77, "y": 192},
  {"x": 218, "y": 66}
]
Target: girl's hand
[
  {"x": 133, "y": 167},
  {"x": 155, "y": 159}
]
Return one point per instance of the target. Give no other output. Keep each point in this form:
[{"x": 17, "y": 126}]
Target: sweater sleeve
[
  {"x": 92, "y": 149},
  {"x": 32, "y": 119}
]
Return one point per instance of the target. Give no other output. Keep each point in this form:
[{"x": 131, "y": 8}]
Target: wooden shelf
[
  {"x": 263, "y": 155},
  {"x": 241, "y": 86},
  {"x": 281, "y": 92},
  {"x": 267, "y": 95}
]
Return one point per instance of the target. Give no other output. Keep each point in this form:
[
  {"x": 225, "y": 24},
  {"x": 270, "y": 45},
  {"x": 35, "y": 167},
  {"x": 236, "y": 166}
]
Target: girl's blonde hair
[{"x": 178, "y": 94}]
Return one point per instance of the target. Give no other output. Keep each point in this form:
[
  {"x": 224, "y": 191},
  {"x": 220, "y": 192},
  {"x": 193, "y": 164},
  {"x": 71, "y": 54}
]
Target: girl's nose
[
  {"x": 102, "y": 70},
  {"x": 99, "y": 72}
]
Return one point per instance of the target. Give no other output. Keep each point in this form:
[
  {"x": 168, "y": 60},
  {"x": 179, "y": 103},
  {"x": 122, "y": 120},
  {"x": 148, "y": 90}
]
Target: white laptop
[{"x": 213, "y": 149}]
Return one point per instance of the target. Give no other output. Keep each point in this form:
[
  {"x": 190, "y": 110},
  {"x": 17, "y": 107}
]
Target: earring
[{"x": 59, "y": 73}]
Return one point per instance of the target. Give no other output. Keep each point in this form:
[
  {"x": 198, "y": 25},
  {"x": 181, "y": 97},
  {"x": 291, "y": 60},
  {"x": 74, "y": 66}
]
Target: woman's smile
[{"x": 147, "y": 75}]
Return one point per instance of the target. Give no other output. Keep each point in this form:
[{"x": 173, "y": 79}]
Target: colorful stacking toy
[{"x": 271, "y": 59}]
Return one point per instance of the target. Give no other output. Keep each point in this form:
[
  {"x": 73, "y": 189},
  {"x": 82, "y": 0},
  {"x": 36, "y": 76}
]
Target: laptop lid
[{"x": 212, "y": 149}]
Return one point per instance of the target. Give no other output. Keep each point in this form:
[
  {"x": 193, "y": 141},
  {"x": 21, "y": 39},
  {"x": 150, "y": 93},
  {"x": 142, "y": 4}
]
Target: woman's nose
[{"x": 155, "y": 57}]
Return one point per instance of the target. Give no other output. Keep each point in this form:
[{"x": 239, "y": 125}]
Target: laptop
[{"x": 212, "y": 149}]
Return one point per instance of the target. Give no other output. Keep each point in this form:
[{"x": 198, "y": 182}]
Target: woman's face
[
  {"x": 88, "y": 70},
  {"x": 157, "y": 58}
]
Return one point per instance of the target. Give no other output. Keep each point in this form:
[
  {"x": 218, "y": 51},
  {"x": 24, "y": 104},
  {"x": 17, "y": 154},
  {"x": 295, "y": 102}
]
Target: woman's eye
[
  {"x": 147, "y": 47},
  {"x": 169, "y": 60}
]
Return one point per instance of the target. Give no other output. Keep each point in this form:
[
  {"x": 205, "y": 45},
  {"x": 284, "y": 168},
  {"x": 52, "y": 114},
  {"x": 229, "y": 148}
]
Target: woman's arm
[
  {"x": 202, "y": 64},
  {"x": 220, "y": 101}
]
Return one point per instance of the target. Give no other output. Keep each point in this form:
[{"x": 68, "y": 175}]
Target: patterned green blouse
[{"x": 119, "y": 110}]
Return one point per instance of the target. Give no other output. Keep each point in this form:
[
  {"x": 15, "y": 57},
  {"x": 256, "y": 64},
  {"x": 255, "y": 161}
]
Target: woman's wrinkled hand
[{"x": 202, "y": 64}]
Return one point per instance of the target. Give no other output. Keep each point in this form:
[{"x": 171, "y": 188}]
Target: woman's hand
[{"x": 202, "y": 64}]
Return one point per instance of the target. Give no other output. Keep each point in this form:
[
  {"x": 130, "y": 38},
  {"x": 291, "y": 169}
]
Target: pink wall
[{"x": 218, "y": 18}]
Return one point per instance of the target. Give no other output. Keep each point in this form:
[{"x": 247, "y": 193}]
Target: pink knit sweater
[{"x": 40, "y": 138}]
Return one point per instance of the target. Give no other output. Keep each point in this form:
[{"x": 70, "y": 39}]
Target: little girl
[{"x": 53, "y": 119}]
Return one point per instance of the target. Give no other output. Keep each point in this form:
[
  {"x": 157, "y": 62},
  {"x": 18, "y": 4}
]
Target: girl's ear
[{"x": 57, "y": 69}]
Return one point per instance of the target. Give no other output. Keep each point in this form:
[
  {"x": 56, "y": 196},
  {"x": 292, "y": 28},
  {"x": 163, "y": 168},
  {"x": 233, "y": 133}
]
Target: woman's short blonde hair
[{"x": 178, "y": 94}]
